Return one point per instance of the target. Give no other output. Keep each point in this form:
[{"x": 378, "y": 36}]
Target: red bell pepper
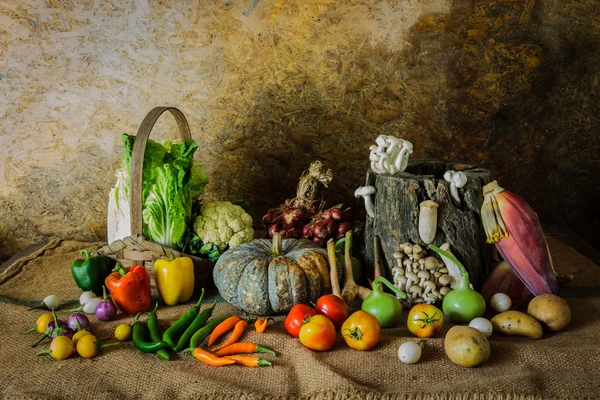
[{"x": 130, "y": 288}]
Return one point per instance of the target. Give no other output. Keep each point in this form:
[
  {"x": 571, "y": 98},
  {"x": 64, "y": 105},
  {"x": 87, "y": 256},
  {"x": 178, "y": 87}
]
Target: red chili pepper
[{"x": 130, "y": 288}]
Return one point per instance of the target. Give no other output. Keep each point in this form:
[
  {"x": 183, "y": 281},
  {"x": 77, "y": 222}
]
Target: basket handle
[{"x": 137, "y": 160}]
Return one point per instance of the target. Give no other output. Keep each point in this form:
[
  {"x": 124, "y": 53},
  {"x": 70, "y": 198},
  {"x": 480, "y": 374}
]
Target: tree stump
[{"x": 396, "y": 204}]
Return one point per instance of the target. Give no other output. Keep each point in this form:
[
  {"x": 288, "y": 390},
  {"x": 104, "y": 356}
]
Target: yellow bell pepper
[{"x": 174, "y": 279}]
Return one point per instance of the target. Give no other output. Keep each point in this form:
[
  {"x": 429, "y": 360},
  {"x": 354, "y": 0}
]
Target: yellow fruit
[
  {"x": 123, "y": 332},
  {"x": 466, "y": 346},
  {"x": 87, "y": 346},
  {"x": 61, "y": 347},
  {"x": 42, "y": 322},
  {"x": 79, "y": 334}
]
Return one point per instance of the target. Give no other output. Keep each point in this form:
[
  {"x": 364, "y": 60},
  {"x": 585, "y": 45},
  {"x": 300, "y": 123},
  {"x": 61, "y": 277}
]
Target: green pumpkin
[{"x": 264, "y": 277}]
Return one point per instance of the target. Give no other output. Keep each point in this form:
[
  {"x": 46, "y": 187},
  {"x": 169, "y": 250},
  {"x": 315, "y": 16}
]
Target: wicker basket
[{"x": 136, "y": 249}]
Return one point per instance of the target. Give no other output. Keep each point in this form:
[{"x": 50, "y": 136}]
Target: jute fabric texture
[{"x": 561, "y": 365}]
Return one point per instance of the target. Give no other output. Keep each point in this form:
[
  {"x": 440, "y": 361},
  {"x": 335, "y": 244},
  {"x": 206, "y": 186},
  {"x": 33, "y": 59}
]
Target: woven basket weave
[{"x": 136, "y": 249}]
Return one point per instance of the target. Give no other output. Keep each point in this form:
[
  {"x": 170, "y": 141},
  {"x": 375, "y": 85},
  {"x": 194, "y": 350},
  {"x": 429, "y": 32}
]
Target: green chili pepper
[
  {"x": 140, "y": 332},
  {"x": 181, "y": 324},
  {"x": 89, "y": 274},
  {"x": 154, "y": 334},
  {"x": 205, "y": 331},
  {"x": 198, "y": 323}
]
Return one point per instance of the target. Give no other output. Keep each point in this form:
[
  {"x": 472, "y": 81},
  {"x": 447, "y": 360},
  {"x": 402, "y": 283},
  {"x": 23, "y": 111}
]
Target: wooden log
[{"x": 396, "y": 204}]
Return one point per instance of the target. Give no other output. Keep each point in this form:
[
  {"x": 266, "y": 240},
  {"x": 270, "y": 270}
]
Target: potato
[
  {"x": 466, "y": 346},
  {"x": 517, "y": 323},
  {"x": 551, "y": 311}
]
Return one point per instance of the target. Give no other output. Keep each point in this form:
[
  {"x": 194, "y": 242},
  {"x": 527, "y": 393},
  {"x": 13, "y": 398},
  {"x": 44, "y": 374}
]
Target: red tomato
[
  {"x": 334, "y": 308},
  {"x": 318, "y": 333},
  {"x": 296, "y": 317},
  {"x": 425, "y": 320},
  {"x": 361, "y": 331}
]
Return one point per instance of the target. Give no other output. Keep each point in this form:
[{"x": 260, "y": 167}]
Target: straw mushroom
[
  {"x": 428, "y": 220},
  {"x": 431, "y": 263},
  {"x": 365, "y": 192},
  {"x": 444, "y": 290}
]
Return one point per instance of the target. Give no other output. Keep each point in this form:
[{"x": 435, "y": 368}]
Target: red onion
[
  {"x": 336, "y": 214},
  {"x": 319, "y": 241},
  {"x": 307, "y": 231}
]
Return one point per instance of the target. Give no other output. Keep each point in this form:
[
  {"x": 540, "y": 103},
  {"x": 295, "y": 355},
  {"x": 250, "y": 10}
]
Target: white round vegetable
[
  {"x": 90, "y": 306},
  {"x": 482, "y": 325},
  {"x": 409, "y": 352},
  {"x": 52, "y": 301},
  {"x": 500, "y": 302},
  {"x": 85, "y": 296}
]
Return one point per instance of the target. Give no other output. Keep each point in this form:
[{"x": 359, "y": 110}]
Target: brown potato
[
  {"x": 466, "y": 346},
  {"x": 551, "y": 311},
  {"x": 517, "y": 323}
]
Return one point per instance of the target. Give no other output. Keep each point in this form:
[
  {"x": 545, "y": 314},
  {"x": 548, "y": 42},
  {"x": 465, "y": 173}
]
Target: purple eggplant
[
  {"x": 106, "y": 310},
  {"x": 78, "y": 321}
]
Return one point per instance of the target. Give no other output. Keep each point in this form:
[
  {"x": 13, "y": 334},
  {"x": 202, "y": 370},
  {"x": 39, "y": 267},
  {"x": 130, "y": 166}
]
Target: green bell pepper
[{"x": 89, "y": 274}]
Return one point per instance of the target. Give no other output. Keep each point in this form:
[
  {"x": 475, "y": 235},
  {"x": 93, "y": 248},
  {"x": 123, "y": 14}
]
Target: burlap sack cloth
[{"x": 561, "y": 365}]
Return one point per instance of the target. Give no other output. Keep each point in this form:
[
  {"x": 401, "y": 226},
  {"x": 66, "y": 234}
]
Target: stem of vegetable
[
  {"x": 120, "y": 269},
  {"x": 377, "y": 262},
  {"x": 387, "y": 283},
  {"x": 450, "y": 257},
  {"x": 333, "y": 276},
  {"x": 276, "y": 245},
  {"x": 350, "y": 287}
]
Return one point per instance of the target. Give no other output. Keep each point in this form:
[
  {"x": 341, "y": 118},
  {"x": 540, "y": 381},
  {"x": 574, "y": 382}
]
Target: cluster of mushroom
[{"x": 424, "y": 278}]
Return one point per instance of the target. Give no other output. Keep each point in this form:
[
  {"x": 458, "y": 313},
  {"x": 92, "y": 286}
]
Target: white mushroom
[
  {"x": 402, "y": 159},
  {"x": 393, "y": 150},
  {"x": 412, "y": 278},
  {"x": 456, "y": 181},
  {"x": 365, "y": 192},
  {"x": 423, "y": 276},
  {"x": 429, "y": 286},
  {"x": 415, "y": 291},
  {"x": 431, "y": 263},
  {"x": 445, "y": 280},
  {"x": 428, "y": 220}
]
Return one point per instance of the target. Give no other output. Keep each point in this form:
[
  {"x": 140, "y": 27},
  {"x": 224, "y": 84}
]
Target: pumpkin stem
[{"x": 276, "y": 245}]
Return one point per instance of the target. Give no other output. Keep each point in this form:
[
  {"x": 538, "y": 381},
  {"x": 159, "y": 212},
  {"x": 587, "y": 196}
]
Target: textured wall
[{"x": 269, "y": 85}]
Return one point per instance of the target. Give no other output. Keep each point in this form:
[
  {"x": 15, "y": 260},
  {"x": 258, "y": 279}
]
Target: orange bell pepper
[{"x": 130, "y": 288}]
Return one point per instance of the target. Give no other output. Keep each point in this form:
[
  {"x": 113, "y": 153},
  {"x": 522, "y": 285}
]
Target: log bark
[{"x": 396, "y": 204}]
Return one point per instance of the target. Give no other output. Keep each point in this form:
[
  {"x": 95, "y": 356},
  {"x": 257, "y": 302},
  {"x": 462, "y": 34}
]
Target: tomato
[
  {"x": 425, "y": 320},
  {"x": 334, "y": 308},
  {"x": 361, "y": 330},
  {"x": 318, "y": 333},
  {"x": 296, "y": 317}
]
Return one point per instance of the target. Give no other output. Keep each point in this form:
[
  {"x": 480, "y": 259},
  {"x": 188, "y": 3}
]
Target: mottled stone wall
[{"x": 269, "y": 86}]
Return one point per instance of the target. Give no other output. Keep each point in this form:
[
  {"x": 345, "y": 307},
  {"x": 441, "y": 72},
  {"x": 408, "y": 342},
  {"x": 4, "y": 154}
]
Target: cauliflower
[{"x": 223, "y": 224}]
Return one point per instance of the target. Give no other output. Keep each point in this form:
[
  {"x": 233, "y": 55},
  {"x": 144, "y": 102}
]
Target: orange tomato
[
  {"x": 361, "y": 330},
  {"x": 425, "y": 320},
  {"x": 318, "y": 333}
]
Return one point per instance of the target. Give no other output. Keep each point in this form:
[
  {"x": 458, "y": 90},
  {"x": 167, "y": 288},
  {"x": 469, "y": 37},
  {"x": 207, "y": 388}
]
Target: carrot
[
  {"x": 261, "y": 324},
  {"x": 237, "y": 333},
  {"x": 210, "y": 359},
  {"x": 249, "y": 361},
  {"x": 243, "y": 347},
  {"x": 223, "y": 327}
]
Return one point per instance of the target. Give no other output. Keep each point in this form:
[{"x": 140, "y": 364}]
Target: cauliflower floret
[{"x": 223, "y": 224}]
